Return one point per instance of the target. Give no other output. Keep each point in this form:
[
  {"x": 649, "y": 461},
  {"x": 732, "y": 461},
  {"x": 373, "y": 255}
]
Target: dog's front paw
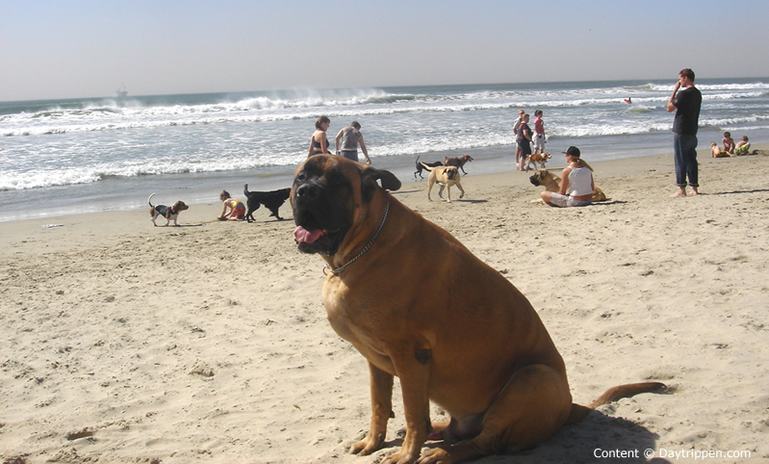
[
  {"x": 401, "y": 457},
  {"x": 435, "y": 456},
  {"x": 368, "y": 445}
]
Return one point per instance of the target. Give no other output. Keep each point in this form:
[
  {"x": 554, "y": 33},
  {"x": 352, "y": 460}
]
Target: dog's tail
[
  {"x": 245, "y": 190},
  {"x": 428, "y": 168},
  {"x": 149, "y": 200},
  {"x": 579, "y": 412}
]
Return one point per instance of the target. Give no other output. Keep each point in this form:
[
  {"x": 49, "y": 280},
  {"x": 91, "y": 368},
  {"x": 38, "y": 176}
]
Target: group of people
[
  {"x": 348, "y": 139},
  {"x": 730, "y": 148},
  {"x": 577, "y": 183},
  {"x": 524, "y": 137}
]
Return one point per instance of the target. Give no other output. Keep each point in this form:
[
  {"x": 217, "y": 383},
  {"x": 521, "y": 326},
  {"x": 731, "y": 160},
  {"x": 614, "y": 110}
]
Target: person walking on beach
[
  {"x": 516, "y": 127},
  {"x": 539, "y": 132},
  {"x": 319, "y": 141},
  {"x": 350, "y": 137},
  {"x": 686, "y": 103},
  {"x": 524, "y": 141}
]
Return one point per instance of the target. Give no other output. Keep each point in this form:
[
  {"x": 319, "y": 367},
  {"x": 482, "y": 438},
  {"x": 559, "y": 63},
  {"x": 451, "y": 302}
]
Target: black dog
[
  {"x": 421, "y": 168},
  {"x": 458, "y": 161},
  {"x": 271, "y": 200}
]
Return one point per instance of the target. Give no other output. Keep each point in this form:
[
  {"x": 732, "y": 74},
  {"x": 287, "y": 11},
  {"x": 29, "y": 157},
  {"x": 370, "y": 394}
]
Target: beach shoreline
[
  {"x": 73, "y": 156},
  {"x": 123, "y": 342},
  {"x": 127, "y": 194}
]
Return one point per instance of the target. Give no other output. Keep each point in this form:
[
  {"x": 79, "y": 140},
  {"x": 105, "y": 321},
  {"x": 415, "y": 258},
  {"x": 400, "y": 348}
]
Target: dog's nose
[{"x": 307, "y": 192}]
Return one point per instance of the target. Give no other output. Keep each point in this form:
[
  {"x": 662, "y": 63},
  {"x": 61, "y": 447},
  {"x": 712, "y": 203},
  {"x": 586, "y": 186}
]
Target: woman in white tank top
[{"x": 577, "y": 185}]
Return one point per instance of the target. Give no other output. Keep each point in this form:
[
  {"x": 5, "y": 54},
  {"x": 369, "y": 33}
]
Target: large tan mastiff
[{"x": 476, "y": 347}]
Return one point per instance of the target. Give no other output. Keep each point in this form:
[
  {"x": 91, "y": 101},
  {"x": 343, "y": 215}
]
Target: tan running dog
[
  {"x": 445, "y": 176},
  {"x": 540, "y": 159},
  {"x": 552, "y": 183},
  {"x": 481, "y": 352}
]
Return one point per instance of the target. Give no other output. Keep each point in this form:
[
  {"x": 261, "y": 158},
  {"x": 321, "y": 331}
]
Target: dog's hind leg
[
  {"x": 533, "y": 405},
  {"x": 275, "y": 213},
  {"x": 250, "y": 213}
]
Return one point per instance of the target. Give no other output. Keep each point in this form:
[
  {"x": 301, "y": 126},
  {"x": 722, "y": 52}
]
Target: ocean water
[{"x": 90, "y": 154}]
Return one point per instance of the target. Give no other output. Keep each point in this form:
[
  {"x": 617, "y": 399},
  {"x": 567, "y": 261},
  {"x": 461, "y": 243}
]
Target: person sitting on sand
[
  {"x": 577, "y": 185},
  {"x": 728, "y": 142},
  {"x": 743, "y": 146},
  {"x": 233, "y": 209},
  {"x": 716, "y": 152}
]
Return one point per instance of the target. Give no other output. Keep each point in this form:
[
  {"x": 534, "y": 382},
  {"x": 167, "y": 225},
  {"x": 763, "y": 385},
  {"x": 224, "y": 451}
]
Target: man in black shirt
[{"x": 686, "y": 104}]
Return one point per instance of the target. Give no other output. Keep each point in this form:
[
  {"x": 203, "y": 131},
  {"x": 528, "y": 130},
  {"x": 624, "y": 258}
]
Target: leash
[{"x": 338, "y": 270}]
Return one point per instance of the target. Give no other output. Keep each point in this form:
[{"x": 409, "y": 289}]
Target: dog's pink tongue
[{"x": 302, "y": 235}]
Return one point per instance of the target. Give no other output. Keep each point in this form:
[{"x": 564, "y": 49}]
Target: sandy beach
[{"x": 208, "y": 343}]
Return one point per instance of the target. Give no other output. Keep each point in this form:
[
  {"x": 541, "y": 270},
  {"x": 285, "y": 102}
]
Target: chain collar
[{"x": 338, "y": 270}]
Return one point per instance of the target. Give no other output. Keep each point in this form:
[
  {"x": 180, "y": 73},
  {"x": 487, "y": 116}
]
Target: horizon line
[{"x": 363, "y": 87}]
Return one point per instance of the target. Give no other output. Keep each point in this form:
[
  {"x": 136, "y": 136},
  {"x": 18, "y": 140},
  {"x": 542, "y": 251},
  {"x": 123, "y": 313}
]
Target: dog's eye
[{"x": 301, "y": 176}]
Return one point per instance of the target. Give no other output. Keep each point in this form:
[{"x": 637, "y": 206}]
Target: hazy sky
[{"x": 76, "y": 48}]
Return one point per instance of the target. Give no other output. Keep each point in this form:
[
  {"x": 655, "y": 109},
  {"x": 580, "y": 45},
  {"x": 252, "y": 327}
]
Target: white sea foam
[
  {"x": 60, "y": 121},
  {"x": 98, "y": 139},
  {"x": 712, "y": 87}
]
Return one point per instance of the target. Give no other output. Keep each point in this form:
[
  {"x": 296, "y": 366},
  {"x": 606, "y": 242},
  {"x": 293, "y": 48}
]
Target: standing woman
[
  {"x": 319, "y": 141},
  {"x": 577, "y": 185},
  {"x": 524, "y": 141}
]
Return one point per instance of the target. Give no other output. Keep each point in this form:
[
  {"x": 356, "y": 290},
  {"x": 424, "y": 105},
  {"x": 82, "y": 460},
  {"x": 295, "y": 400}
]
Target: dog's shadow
[
  {"x": 267, "y": 221},
  {"x": 397, "y": 192},
  {"x": 471, "y": 201},
  {"x": 186, "y": 225},
  {"x": 589, "y": 441}
]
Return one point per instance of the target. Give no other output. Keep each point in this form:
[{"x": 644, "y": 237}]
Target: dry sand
[{"x": 121, "y": 343}]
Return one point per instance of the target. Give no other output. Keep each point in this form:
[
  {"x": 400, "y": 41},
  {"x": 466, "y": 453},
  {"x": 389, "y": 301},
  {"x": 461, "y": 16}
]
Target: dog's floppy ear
[{"x": 370, "y": 175}]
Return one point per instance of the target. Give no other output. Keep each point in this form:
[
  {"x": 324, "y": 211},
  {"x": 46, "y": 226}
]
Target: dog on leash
[
  {"x": 168, "y": 212},
  {"x": 458, "y": 161},
  {"x": 552, "y": 183},
  {"x": 538, "y": 158},
  {"x": 446, "y": 177},
  {"x": 271, "y": 200},
  {"x": 420, "y": 167}
]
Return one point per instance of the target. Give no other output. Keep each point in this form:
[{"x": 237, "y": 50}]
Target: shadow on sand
[
  {"x": 608, "y": 202},
  {"x": 735, "y": 192},
  {"x": 579, "y": 443}
]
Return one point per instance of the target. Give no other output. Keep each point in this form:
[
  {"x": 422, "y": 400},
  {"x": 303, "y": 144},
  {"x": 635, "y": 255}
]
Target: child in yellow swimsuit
[{"x": 233, "y": 209}]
